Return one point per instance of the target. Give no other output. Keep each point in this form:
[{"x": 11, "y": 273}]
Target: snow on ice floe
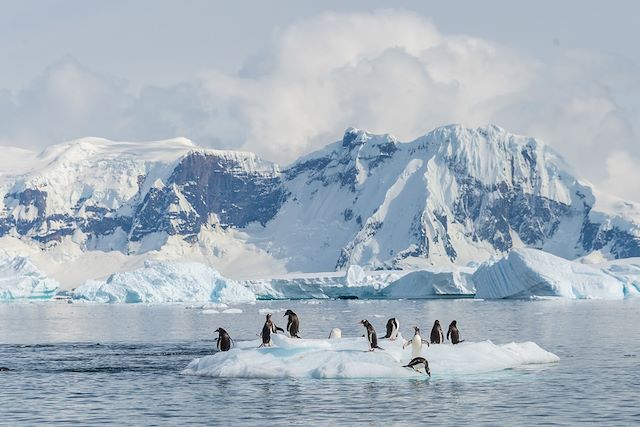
[
  {"x": 531, "y": 273},
  {"x": 21, "y": 279},
  {"x": 348, "y": 358},
  {"x": 165, "y": 281}
]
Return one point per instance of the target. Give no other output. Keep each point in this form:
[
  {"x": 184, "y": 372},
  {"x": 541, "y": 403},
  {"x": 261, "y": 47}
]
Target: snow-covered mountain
[{"x": 454, "y": 196}]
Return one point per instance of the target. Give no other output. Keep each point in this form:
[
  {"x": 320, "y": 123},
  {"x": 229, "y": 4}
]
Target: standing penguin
[
  {"x": 455, "y": 334},
  {"x": 416, "y": 343},
  {"x": 417, "y": 363},
  {"x": 293, "y": 325},
  {"x": 437, "y": 336},
  {"x": 268, "y": 328},
  {"x": 393, "y": 325},
  {"x": 371, "y": 335},
  {"x": 336, "y": 333},
  {"x": 223, "y": 340}
]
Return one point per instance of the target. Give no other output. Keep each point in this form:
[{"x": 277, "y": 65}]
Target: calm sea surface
[{"x": 120, "y": 365}]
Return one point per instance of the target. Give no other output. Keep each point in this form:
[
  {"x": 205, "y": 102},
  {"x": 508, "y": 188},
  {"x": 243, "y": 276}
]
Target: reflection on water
[{"x": 101, "y": 364}]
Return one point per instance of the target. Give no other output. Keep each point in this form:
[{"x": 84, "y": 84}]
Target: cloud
[{"x": 384, "y": 71}]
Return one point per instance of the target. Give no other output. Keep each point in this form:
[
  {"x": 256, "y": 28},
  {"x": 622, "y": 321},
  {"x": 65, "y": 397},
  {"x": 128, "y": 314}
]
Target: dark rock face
[{"x": 208, "y": 184}]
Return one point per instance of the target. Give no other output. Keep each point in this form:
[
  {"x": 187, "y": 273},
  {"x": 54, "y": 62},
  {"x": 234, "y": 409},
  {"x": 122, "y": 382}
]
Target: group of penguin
[{"x": 224, "y": 341}]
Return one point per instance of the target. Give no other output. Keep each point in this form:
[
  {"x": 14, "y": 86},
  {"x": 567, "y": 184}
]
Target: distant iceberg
[
  {"x": 21, "y": 279},
  {"x": 165, "y": 281},
  {"x": 348, "y": 358},
  {"x": 531, "y": 273},
  {"x": 522, "y": 274}
]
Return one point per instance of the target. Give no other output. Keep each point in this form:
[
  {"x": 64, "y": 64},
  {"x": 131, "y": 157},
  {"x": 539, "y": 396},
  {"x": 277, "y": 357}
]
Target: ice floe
[{"x": 349, "y": 358}]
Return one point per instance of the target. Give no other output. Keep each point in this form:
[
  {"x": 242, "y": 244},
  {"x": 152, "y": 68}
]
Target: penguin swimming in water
[
  {"x": 416, "y": 343},
  {"x": 336, "y": 333},
  {"x": 4, "y": 369},
  {"x": 437, "y": 336},
  {"x": 393, "y": 325},
  {"x": 455, "y": 334},
  {"x": 371, "y": 335},
  {"x": 268, "y": 328},
  {"x": 417, "y": 363},
  {"x": 293, "y": 325},
  {"x": 223, "y": 340}
]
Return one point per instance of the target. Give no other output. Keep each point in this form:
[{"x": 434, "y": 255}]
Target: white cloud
[{"x": 385, "y": 71}]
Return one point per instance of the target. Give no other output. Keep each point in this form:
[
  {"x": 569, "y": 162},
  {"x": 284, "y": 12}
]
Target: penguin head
[
  {"x": 220, "y": 331},
  {"x": 364, "y": 322},
  {"x": 288, "y": 313},
  {"x": 416, "y": 330},
  {"x": 454, "y": 323},
  {"x": 269, "y": 316},
  {"x": 437, "y": 322}
]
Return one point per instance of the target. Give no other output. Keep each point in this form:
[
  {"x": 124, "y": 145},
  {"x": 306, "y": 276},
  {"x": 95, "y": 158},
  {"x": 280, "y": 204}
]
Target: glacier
[{"x": 347, "y": 358}]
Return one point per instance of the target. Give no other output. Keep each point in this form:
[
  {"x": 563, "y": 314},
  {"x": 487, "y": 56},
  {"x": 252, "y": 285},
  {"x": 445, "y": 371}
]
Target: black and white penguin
[
  {"x": 453, "y": 331},
  {"x": 223, "y": 340},
  {"x": 336, "y": 333},
  {"x": 418, "y": 363},
  {"x": 437, "y": 336},
  {"x": 393, "y": 325},
  {"x": 416, "y": 343},
  {"x": 293, "y": 325},
  {"x": 371, "y": 335},
  {"x": 4, "y": 369},
  {"x": 268, "y": 328}
]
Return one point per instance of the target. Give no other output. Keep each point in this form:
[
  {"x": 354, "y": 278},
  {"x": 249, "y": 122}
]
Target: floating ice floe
[
  {"x": 349, "y": 358},
  {"x": 21, "y": 279}
]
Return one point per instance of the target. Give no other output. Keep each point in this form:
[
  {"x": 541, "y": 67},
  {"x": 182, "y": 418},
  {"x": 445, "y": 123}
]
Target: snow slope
[{"x": 348, "y": 358}]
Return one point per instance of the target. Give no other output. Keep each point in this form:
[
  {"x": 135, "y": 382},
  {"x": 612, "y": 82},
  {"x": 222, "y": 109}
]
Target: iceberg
[
  {"x": 349, "y": 358},
  {"x": 166, "y": 281},
  {"x": 431, "y": 284},
  {"x": 21, "y": 279},
  {"x": 531, "y": 273}
]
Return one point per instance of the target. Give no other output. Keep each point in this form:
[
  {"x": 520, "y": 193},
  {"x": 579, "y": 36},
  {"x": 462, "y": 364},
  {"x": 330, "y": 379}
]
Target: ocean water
[{"x": 95, "y": 364}]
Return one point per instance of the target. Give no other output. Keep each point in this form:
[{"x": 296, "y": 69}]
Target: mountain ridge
[{"x": 453, "y": 196}]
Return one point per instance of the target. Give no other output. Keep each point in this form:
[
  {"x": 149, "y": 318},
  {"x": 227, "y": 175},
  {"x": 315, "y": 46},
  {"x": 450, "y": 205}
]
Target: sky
[{"x": 283, "y": 78}]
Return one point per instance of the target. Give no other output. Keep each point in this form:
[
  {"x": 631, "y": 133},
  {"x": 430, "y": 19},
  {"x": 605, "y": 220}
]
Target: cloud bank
[{"x": 387, "y": 71}]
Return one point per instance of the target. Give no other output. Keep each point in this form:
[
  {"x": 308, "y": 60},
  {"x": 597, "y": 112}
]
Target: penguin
[
  {"x": 393, "y": 325},
  {"x": 416, "y": 343},
  {"x": 268, "y": 328},
  {"x": 223, "y": 340},
  {"x": 4, "y": 369},
  {"x": 293, "y": 325},
  {"x": 336, "y": 333},
  {"x": 371, "y": 335},
  {"x": 455, "y": 334},
  {"x": 437, "y": 336},
  {"x": 417, "y": 363}
]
